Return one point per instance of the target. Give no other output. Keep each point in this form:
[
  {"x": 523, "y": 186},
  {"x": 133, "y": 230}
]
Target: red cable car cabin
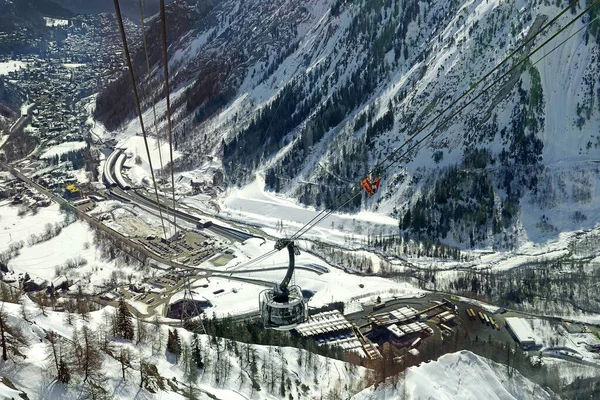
[{"x": 371, "y": 187}]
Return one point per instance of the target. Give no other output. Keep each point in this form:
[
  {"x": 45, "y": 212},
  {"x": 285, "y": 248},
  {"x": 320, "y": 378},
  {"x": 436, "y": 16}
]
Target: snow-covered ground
[
  {"x": 75, "y": 242},
  {"x": 252, "y": 204},
  {"x": 132, "y": 220},
  {"x": 34, "y": 373},
  {"x": 137, "y": 161},
  {"x": 335, "y": 285},
  {"x": 553, "y": 335},
  {"x": 9, "y": 66},
  {"x": 52, "y": 22},
  {"x": 14, "y": 228},
  {"x": 461, "y": 375},
  {"x": 62, "y": 148}
]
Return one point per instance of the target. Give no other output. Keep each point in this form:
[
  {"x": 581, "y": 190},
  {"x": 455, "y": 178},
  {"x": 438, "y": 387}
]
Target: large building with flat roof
[{"x": 520, "y": 329}]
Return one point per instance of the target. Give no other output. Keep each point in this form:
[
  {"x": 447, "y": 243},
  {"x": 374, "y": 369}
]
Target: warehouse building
[{"x": 521, "y": 331}]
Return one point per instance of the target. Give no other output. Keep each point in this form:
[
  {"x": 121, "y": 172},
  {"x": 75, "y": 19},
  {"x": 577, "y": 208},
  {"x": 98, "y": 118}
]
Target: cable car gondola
[{"x": 283, "y": 307}]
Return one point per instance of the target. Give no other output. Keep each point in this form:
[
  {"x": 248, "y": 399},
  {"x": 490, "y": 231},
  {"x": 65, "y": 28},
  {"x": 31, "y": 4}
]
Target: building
[
  {"x": 521, "y": 331},
  {"x": 190, "y": 306},
  {"x": 34, "y": 285},
  {"x": 72, "y": 191},
  {"x": 400, "y": 331},
  {"x": 325, "y": 323}
]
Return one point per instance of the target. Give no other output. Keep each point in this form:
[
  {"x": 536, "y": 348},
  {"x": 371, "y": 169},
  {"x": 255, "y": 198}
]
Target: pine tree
[
  {"x": 196, "y": 353},
  {"x": 174, "y": 343},
  {"x": 170, "y": 341},
  {"x": 124, "y": 323}
]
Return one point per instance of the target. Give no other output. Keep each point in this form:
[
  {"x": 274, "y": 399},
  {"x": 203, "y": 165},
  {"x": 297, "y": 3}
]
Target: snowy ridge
[{"x": 461, "y": 375}]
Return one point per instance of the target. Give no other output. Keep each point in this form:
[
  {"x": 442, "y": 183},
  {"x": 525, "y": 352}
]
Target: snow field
[
  {"x": 62, "y": 148},
  {"x": 75, "y": 242},
  {"x": 14, "y": 228},
  {"x": 7, "y": 67},
  {"x": 134, "y": 147},
  {"x": 252, "y": 204},
  {"x": 335, "y": 285}
]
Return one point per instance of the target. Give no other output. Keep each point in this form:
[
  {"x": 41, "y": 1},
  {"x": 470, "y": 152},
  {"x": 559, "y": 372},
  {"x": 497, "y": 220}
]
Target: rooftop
[{"x": 522, "y": 330}]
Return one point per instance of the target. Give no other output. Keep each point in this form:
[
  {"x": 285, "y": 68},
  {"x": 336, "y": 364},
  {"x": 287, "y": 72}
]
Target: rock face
[{"x": 323, "y": 91}]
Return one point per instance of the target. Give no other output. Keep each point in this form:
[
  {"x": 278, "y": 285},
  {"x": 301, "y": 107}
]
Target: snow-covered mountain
[
  {"x": 461, "y": 375},
  {"x": 312, "y": 95},
  {"x": 100, "y": 365}
]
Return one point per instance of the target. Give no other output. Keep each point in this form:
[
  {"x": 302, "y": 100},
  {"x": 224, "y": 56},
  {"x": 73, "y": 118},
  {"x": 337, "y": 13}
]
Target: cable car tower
[{"x": 283, "y": 307}]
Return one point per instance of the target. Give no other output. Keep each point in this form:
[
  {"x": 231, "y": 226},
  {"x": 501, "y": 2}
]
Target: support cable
[
  {"x": 483, "y": 78},
  {"x": 138, "y": 108},
  {"x": 163, "y": 18},
  {"x": 496, "y": 81},
  {"x": 151, "y": 97},
  {"x": 188, "y": 286},
  {"x": 441, "y": 113},
  {"x": 563, "y": 42},
  {"x": 325, "y": 213}
]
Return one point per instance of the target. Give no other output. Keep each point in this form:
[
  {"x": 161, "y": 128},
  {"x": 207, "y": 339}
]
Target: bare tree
[
  {"x": 87, "y": 354},
  {"x": 125, "y": 360},
  {"x": 68, "y": 317},
  {"x": 24, "y": 311},
  {"x": 41, "y": 301},
  {"x": 53, "y": 339},
  {"x": 142, "y": 330},
  {"x": 188, "y": 365},
  {"x": 12, "y": 339}
]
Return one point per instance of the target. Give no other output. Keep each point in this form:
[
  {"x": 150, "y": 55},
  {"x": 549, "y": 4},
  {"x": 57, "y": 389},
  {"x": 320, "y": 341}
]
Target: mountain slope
[
  {"x": 314, "y": 95},
  {"x": 231, "y": 370},
  {"x": 461, "y": 375}
]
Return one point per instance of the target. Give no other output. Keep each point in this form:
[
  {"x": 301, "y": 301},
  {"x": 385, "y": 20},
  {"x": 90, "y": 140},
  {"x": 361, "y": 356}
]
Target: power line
[
  {"x": 325, "y": 213},
  {"x": 151, "y": 96},
  {"x": 138, "y": 108},
  {"x": 163, "y": 18}
]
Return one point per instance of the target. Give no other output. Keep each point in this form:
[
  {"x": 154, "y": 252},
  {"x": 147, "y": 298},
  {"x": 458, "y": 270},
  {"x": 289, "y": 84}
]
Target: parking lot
[{"x": 190, "y": 247}]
